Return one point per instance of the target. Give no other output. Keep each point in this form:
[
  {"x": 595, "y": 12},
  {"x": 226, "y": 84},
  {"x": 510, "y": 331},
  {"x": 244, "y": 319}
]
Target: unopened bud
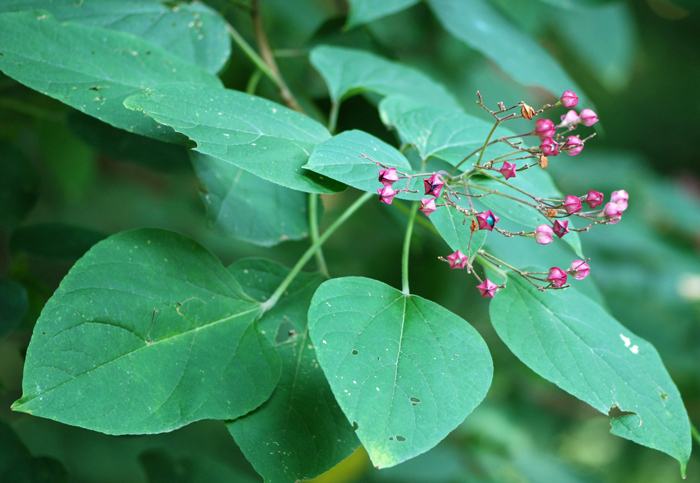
[
  {"x": 588, "y": 117},
  {"x": 569, "y": 99},
  {"x": 388, "y": 176},
  {"x": 572, "y": 204},
  {"x": 544, "y": 128},
  {"x": 594, "y": 198},
  {"x": 549, "y": 147},
  {"x": 579, "y": 269},
  {"x": 573, "y": 145},
  {"x": 386, "y": 194},
  {"x": 557, "y": 277},
  {"x": 527, "y": 112},
  {"x": 543, "y": 234},
  {"x": 427, "y": 205}
]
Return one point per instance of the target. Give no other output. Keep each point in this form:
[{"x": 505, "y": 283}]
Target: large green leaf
[
  {"x": 246, "y": 131},
  {"x": 147, "y": 332},
  {"x": 479, "y": 25},
  {"x": 244, "y": 206},
  {"x": 194, "y": 32},
  {"x": 571, "y": 341},
  {"x": 610, "y": 53},
  {"x": 449, "y": 135},
  {"x": 364, "y": 11},
  {"x": 300, "y": 432},
  {"x": 91, "y": 69},
  {"x": 404, "y": 370},
  {"x": 339, "y": 158},
  {"x": 349, "y": 71}
]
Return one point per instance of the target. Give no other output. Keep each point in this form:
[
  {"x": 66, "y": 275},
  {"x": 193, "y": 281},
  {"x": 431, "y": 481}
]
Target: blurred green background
[{"x": 67, "y": 181}]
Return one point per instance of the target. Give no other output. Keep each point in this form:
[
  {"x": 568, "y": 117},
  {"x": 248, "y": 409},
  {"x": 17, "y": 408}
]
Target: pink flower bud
[
  {"x": 594, "y": 198},
  {"x": 573, "y": 145},
  {"x": 588, "y": 117},
  {"x": 579, "y": 269},
  {"x": 487, "y": 288},
  {"x": 433, "y": 185},
  {"x": 386, "y": 194},
  {"x": 544, "y": 128},
  {"x": 570, "y": 119},
  {"x": 572, "y": 204},
  {"x": 620, "y": 198},
  {"x": 388, "y": 176},
  {"x": 507, "y": 170},
  {"x": 557, "y": 277},
  {"x": 549, "y": 147},
  {"x": 457, "y": 260},
  {"x": 427, "y": 205},
  {"x": 543, "y": 234},
  {"x": 612, "y": 212},
  {"x": 561, "y": 227},
  {"x": 569, "y": 99},
  {"x": 487, "y": 220}
]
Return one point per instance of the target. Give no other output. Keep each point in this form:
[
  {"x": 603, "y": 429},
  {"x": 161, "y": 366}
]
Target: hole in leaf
[
  {"x": 400, "y": 438},
  {"x": 391, "y": 438},
  {"x": 355, "y": 426},
  {"x": 354, "y": 352},
  {"x": 414, "y": 400},
  {"x": 616, "y": 412}
]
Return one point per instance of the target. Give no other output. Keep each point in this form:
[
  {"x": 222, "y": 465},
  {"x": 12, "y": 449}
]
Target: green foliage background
[{"x": 68, "y": 181}]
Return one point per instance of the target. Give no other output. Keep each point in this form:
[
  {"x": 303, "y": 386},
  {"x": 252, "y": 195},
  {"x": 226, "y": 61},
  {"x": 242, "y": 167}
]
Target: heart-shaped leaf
[
  {"x": 92, "y": 69},
  {"x": 404, "y": 370},
  {"x": 147, "y": 332},
  {"x": 571, "y": 341},
  {"x": 300, "y": 432},
  {"x": 192, "y": 31},
  {"x": 246, "y": 131}
]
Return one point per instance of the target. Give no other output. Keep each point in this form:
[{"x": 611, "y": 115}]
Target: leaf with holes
[
  {"x": 243, "y": 130},
  {"x": 571, "y": 341},
  {"x": 300, "y": 432},
  {"x": 147, "y": 332},
  {"x": 193, "y": 32},
  {"x": 404, "y": 370},
  {"x": 92, "y": 69}
]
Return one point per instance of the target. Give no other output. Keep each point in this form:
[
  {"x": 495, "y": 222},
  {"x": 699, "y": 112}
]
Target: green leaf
[
  {"x": 58, "y": 241},
  {"x": 610, "y": 53},
  {"x": 456, "y": 233},
  {"x": 449, "y": 135},
  {"x": 19, "y": 186},
  {"x": 14, "y": 303},
  {"x": 571, "y": 341},
  {"x": 404, "y": 370},
  {"x": 193, "y": 32},
  {"x": 125, "y": 146},
  {"x": 365, "y": 11},
  {"x": 249, "y": 132},
  {"x": 349, "y": 71},
  {"x": 244, "y": 206},
  {"x": 339, "y": 158},
  {"x": 147, "y": 333},
  {"x": 300, "y": 432},
  {"x": 479, "y": 25},
  {"x": 91, "y": 69}
]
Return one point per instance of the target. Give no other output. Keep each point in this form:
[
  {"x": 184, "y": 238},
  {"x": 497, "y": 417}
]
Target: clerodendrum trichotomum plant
[{"x": 149, "y": 331}]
